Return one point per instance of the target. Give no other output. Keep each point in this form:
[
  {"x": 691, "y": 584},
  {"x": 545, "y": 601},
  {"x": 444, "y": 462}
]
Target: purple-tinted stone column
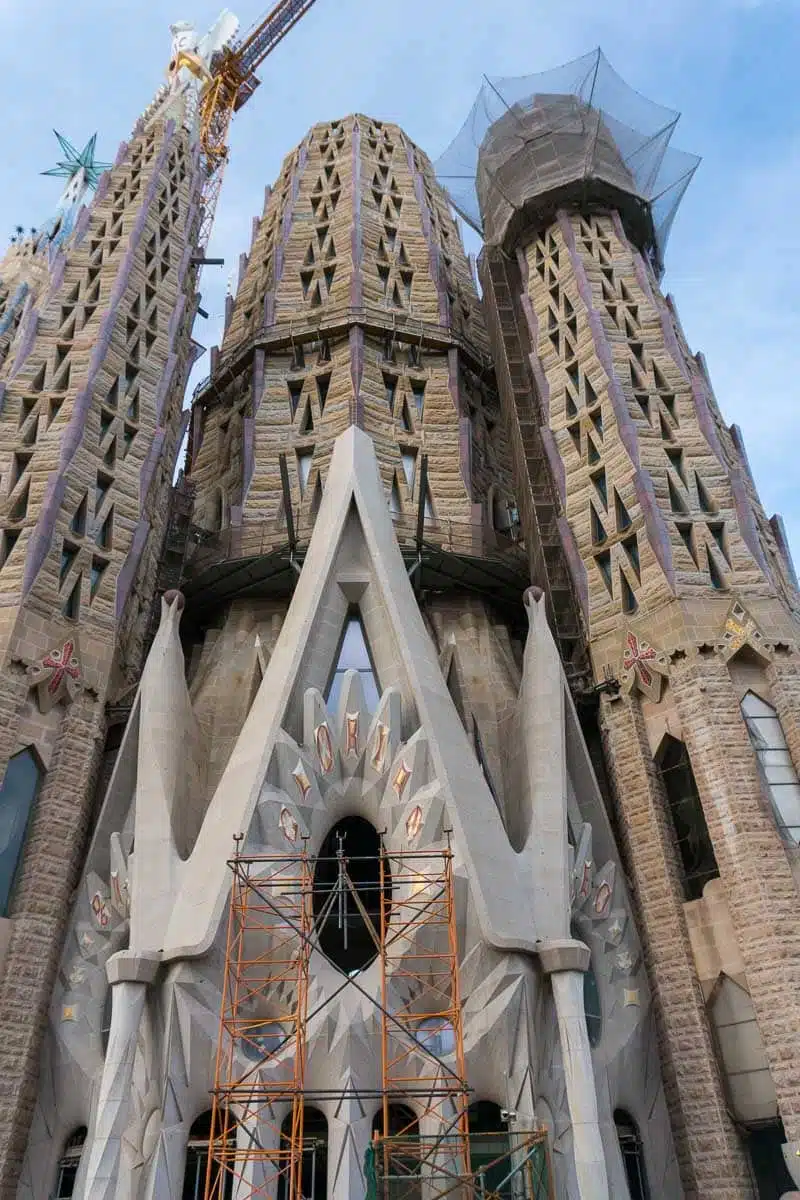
[
  {"x": 40, "y": 541},
  {"x": 625, "y": 424},
  {"x": 427, "y": 229},
  {"x": 542, "y": 386},
  {"x": 356, "y": 248},
  {"x": 356, "y": 372}
]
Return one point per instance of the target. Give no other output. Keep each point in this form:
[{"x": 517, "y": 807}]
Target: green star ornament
[{"x": 74, "y": 160}]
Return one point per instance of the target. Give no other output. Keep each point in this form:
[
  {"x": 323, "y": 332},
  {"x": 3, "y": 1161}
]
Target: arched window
[
  {"x": 315, "y": 1154},
  {"x": 688, "y": 819},
  {"x": 68, "y": 1164},
  {"x": 489, "y": 1149},
  {"x": 775, "y": 764},
  {"x": 349, "y": 862},
  {"x": 398, "y": 1161},
  {"x": 630, "y": 1147},
  {"x": 592, "y": 1007},
  {"x": 17, "y": 795},
  {"x": 197, "y": 1154}
]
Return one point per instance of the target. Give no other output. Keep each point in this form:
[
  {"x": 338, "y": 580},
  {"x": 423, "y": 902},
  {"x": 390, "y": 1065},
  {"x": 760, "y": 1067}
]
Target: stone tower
[
  {"x": 96, "y": 347},
  {"x": 683, "y": 589},
  {"x": 356, "y": 676}
]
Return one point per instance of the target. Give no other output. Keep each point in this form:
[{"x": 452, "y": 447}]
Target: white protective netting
[{"x": 641, "y": 131}]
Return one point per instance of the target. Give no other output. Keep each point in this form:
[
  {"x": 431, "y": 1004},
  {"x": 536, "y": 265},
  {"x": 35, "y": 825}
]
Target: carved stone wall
[
  {"x": 355, "y": 304},
  {"x": 90, "y": 422}
]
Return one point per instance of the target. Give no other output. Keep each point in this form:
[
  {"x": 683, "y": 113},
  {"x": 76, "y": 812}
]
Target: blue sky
[{"x": 729, "y": 66}]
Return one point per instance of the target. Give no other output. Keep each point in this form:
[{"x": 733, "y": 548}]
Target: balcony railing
[{"x": 256, "y": 539}]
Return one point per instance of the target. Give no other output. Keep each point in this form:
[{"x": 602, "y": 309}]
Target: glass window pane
[
  {"x": 754, "y": 706},
  {"x": 771, "y": 732},
  {"x": 787, "y": 800},
  {"x": 688, "y": 819},
  {"x": 17, "y": 795},
  {"x": 353, "y": 654},
  {"x": 779, "y": 776},
  {"x": 775, "y": 763},
  {"x": 409, "y": 467}
]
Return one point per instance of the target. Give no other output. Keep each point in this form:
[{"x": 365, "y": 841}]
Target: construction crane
[{"x": 229, "y": 84}]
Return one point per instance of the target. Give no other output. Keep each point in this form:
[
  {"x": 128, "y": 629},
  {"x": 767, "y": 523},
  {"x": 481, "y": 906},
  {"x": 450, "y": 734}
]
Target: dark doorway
[
  {"x": 197, "y": 1155},
  {"x": 630, "y": 1146},
  {"x": 314, "y": 1171},
  {"x": 348, "y": 862},
  {"x": 399, "y": 1165},
  {"x": 766, "y": 1156},
  {"x": 489, "y": 1149},
  {"x": 68, "y": 1165}
]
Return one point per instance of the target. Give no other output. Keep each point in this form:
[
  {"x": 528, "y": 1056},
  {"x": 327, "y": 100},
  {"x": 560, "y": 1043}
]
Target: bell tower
[
  {"x": 682, "y": 589},
  {"x": 95, "y": 351}
]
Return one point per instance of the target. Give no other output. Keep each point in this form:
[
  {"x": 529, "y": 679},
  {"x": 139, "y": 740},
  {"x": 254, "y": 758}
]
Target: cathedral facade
[{"x": 405, "y": 800}]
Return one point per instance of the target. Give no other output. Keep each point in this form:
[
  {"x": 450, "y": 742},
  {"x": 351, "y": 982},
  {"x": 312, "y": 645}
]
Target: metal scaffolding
[{"x": 279, "y": 913}]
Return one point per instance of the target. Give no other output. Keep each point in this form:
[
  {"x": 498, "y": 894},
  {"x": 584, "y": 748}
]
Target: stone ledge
[
  {"x": 563, "y": 954},
  {"x": 129, "y": 967}
]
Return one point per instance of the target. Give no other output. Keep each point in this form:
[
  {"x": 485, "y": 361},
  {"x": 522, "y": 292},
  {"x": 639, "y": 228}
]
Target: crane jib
[{"x": 266, "y": 36}]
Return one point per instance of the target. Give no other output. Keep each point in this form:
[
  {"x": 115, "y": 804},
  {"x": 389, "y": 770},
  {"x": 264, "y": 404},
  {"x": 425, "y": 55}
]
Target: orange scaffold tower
[{"x": 276, "y": 917}]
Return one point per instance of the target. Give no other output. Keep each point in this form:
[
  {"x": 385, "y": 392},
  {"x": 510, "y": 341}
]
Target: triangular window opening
[
  {"x": 429, "y": 514},
  {"x": 631, "y": 547},
  {"x": 353, "y": 655},
  {"x": 316, "y": 499},
  {"x": 323, "y": 384},
  {"x": 418, "y": 393},
  {"x": 676, "y": 501},
  {"x": 621, "y": 512},
  {"x": 395, "y": 503},
  {"x": 717, "y": 580},
  {"x": 629, "y": 602},
  {"x": 390, "y": 384},
  {"x": 598, "y": 532},
  {"x": 78, "y": 522},
  {"x": 304, "y": 459},
  {"x": 599, "y": 481},
  {"x": 707, "y": 505},
  {"x": 685, "y": 531},
  {"x": 307, "y": 423},
  {"x": 676, "y": 458},
  {"x": 295, "y": 387},
  {"x": 480, "y": 754},
  {"x": 717, "y": 531},
  {"x": 409, "y": 458},
  {"x": 604, "y": 563},
  {"x": 72, "y": 607}
]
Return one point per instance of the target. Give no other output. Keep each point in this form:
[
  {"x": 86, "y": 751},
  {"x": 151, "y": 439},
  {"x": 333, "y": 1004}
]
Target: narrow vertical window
[
  {"x": 17, "y": 797},
  {"x": 775, "y": 764},
  {"x": 630, "y": 1147},
  {"x": 696, "y": 851},
  {"x": 592, "y": 1008},
  {"x": 68, "y": 1165},
  {"x": 354, "y": 655}
]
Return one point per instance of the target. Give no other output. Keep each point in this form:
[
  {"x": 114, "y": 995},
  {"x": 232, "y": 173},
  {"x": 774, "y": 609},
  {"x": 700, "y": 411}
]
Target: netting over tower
[{"x": 534, "y": 137}]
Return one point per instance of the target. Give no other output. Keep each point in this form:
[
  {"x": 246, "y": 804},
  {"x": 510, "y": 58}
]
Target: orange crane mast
[{"x": 232, "y": 83}]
